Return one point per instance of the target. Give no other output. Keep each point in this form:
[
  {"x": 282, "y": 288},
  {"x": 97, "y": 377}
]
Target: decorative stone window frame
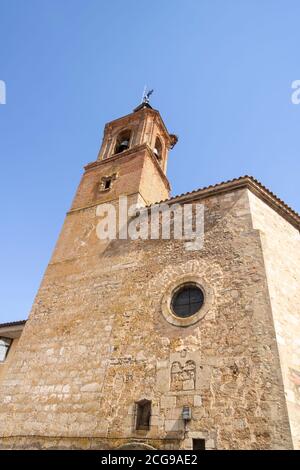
[
  {"x": 177, "y": 284},
  {"x": 139, "y": 405},
  {"x": 103, "y": 181}
]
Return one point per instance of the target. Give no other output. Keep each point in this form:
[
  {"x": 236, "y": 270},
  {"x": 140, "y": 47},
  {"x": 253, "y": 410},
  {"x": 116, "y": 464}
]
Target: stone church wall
[
  {"x": 281, "y": 250},
  {"x": 96, "y": 342}
]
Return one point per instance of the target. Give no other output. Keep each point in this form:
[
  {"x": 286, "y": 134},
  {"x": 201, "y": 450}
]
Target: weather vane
[{"x": 146, "y": 95}]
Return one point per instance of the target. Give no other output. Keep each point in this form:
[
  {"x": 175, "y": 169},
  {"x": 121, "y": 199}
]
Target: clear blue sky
[{"x": 222, "y": 74}]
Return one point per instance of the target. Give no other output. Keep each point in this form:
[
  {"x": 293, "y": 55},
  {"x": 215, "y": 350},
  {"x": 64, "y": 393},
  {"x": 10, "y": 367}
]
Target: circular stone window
[{"x": 187, "y": 300}]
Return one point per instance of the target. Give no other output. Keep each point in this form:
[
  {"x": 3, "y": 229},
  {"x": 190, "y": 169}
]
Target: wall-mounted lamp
[{"x": 186, "y": 413}]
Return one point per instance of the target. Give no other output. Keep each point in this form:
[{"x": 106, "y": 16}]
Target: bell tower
[{"x": 132, "y": 161}]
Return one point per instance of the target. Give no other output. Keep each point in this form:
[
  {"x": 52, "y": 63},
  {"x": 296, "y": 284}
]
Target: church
[{"x": 145, "y": 344}]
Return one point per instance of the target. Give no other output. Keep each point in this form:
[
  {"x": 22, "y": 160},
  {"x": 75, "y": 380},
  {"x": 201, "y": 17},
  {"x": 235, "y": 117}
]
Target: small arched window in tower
[
  {"x": 143, "y": 415},
  {"x": 123, "y": 141},
  {"x": 158, "y": 149}
]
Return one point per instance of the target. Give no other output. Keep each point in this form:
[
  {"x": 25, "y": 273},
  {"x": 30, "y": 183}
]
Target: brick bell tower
[{"x": 132, "y": 161}]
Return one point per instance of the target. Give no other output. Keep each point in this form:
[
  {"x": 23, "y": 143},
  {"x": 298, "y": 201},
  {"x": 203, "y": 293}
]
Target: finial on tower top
[
  {"x": 145, "y": 100},
  {"x": 146, "y": 95}
]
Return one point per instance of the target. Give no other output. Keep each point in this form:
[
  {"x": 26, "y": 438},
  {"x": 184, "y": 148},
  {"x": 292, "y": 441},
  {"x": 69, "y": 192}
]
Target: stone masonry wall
[
  {"x": 96, "y": 342},
  {"x": 281, "y": 250}
]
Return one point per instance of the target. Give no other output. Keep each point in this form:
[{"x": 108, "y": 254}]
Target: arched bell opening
[
  {"x": 123, "y": 141},
  {"x": 158, "y": 149}
]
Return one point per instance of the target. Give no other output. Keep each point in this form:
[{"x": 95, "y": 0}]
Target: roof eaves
[
  {"x": 244, "y": 181},
  {"x": 14, "y": 323}
]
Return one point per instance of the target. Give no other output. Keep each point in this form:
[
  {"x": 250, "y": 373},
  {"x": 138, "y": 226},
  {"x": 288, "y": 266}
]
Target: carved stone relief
[{"x": 183, "y": 376}]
